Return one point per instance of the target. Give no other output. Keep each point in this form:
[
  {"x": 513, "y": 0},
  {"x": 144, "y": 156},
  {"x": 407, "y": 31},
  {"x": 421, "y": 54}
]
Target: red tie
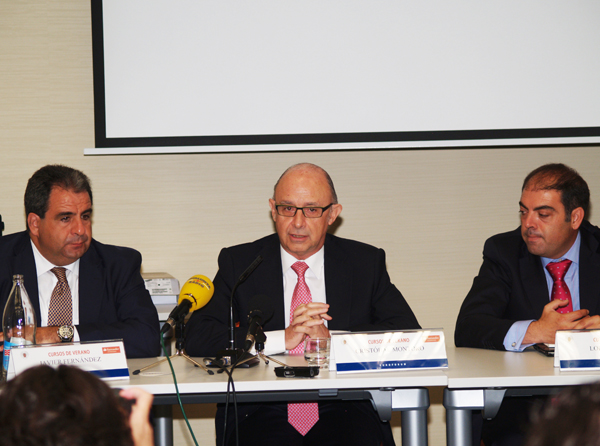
[
  {"x": 302, "y": 416},
  {"x": 560, "y": 290}
]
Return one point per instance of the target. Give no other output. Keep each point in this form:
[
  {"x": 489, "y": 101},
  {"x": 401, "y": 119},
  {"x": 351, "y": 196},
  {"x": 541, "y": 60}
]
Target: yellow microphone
[
  {"x": 195, "y": 293},
  {"x": 198, "y": 290}
]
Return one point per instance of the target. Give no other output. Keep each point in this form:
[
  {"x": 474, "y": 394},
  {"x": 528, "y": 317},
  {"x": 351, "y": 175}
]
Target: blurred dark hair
[
  {"x": 570, "y": 419},
  {"x": 574, "y": 191},
  {"x": 61, "y": 407},
  {"x": 39, "y": 186}
]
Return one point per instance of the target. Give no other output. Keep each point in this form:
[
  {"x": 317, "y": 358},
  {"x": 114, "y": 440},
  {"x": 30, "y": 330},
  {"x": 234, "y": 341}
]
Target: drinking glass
[{"x": 316, "y": 351}]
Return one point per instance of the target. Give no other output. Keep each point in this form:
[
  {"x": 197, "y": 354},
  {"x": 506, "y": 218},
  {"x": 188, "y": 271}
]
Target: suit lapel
[
  {"x": 534, "y": 280},
  {"x": 91, "y": 272},
  {"x": 24, "y": 264},
  {"x": 589, "y": 281},
  {"x": 269, "y": 281},
  {"x": 338, "y": 286}
]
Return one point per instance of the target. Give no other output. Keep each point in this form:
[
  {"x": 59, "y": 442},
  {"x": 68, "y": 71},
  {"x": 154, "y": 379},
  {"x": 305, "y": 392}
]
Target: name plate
[
  {"x": 105, "y": 359},
  {"x": 386, "y": 351},
  {"x": 577, "y": 350}
]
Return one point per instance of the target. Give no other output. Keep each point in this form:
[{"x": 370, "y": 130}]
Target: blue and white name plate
[
  {"x": 105, "y": 359},
  {"x": 577, "y": 350},
  {"x": 387, "y": 351}
]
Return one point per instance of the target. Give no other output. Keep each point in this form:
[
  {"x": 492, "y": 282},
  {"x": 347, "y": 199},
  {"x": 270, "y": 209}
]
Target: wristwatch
[{"x": 65, "y": 333}]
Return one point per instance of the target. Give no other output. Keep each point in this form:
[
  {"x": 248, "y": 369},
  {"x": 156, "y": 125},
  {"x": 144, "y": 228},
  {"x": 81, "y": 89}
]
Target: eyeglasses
[{"x": 286, "y": 210}]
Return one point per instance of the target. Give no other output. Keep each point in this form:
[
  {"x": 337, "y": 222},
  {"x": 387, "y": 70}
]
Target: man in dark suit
[
  {"x": 350, "y": 290},
  {"x": 517, "y": 300},
  {"x": 106, "y": 299}
]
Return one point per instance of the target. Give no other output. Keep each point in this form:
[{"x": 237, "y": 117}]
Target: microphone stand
[
  {"x": 236, "y": 357},
  {"x": 260, "y": 339},
  {"x": 231, "y": 356},
  {"x": 260, "y": 348},
  {"x": 179, "y": 326},
  {"x": 266, "y": 358}
]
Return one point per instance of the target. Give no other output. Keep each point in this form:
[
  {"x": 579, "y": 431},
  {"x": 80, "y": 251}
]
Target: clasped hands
[
  {"x": 309, "y": 320},
  {"x": 544, "y": 329}
]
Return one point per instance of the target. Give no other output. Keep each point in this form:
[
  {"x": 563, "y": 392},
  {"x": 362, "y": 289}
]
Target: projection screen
[{"x": 226, "y": 76}]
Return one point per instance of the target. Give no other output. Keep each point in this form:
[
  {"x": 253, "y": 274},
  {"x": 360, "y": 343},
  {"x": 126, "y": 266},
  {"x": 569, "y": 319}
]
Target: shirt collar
[
  {"x": 42, "y": 265},
  {"x": 572, "y": 254},
  {"x": 314, "y": 262}
]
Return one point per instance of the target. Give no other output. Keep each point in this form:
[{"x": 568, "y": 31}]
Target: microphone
[
  {"x": 250, "y": 269},
  {"x": 195, "y": 293},
  {"x": 262, "y": 311},
  {"x": 241, "y": 280},
  {"x": 260, "y": 339}
]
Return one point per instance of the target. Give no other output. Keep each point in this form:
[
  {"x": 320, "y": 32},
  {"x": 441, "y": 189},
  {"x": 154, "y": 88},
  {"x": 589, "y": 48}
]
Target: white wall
[{"x": 430, "y": 210}]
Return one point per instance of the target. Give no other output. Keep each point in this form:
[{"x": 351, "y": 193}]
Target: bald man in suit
[{"x": 350, "y": 289}]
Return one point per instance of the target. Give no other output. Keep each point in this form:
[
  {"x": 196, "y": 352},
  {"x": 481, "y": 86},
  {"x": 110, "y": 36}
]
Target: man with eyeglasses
[{"x": 349, "y": 289}]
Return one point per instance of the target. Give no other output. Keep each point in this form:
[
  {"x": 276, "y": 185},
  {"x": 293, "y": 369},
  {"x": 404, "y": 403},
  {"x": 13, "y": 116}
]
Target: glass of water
[{"x": 316, "y": 352}]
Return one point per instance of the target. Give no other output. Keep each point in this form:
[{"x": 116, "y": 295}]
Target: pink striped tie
[{"x": 303, "y": 416}]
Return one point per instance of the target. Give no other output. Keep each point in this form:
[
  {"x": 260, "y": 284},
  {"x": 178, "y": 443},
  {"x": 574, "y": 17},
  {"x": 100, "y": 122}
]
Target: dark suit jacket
[
  {"x": 358, "y": 289},
  {"x": 511, "y": 286},
  {"x": 113, "y": 301}
]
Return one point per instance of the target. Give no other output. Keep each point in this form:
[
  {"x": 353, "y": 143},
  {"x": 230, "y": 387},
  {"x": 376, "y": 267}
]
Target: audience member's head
[
  {"x": 65, "y": 407},
  {"x": 570, "y": 419}
]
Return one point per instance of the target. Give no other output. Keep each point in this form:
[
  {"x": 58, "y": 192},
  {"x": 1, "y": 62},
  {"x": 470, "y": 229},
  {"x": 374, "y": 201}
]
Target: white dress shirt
[
  {"x": 315, "y": 280},
  {"x": 47, "y": 280}
]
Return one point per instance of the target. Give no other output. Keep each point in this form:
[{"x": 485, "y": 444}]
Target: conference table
[
  {"x": 404, "y": 391},
  {"x": 480, "y": 379},
  {"x": 476, "y": 379}
]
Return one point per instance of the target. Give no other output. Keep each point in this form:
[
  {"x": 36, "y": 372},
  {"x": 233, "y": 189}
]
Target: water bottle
[{"x": 18, "y": 321}]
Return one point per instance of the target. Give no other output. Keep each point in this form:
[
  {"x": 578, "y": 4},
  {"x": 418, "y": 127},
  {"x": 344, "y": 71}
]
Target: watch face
[{"x": 65, "y": 332}]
